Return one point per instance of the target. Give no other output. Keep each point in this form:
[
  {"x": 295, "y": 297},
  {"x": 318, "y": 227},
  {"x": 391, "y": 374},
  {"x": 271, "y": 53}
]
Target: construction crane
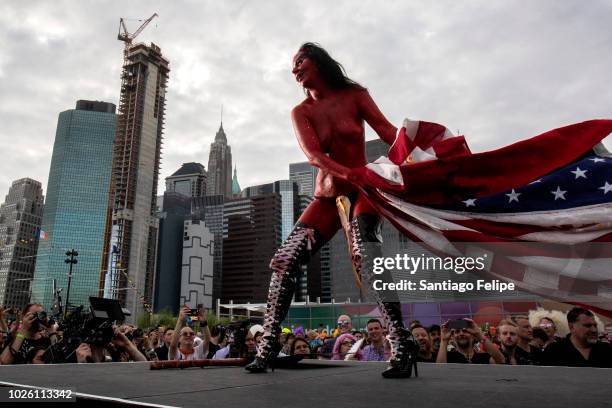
[{"x": 125, "y": 36}]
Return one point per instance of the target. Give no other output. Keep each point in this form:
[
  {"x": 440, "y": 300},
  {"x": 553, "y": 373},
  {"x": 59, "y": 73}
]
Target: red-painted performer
[{"x": 329, "y": 125}]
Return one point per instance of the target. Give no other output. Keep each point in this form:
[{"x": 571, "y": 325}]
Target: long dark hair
[{"x": 331, "y": 70}]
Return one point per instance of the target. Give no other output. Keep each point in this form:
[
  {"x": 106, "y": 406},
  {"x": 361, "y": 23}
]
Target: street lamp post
[{"x": 71, "y": 261}]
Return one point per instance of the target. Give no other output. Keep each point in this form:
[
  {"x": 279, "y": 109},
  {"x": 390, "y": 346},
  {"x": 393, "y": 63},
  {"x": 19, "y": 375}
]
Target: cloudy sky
[{"x": 496, "y": 71}]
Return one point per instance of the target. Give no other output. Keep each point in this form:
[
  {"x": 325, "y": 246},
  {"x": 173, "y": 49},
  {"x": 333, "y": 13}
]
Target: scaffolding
[{"x": 135, "y": 79}]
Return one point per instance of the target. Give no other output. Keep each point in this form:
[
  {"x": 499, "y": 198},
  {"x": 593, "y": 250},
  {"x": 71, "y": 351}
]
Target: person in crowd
[
  {"x": 251, "y": 342},
  {"x": 299, "y": 332},
  {"x": 550, "y": 328},
  {"x": 553, "y": 322},
  {"x": 218, "y": 340},
  {"x": 120, "y": 349},
  {"x": 414, "y": 323},
  {"x": 426, "y": 352},
  {"x": 282, "y": 338},
  {"x": 581, "y": 347},
  {"x": 288, "y": 342},
  {"x": 162, "y": 351},
  {"x": 153, "y": 336},
  {"x": 465, "y": 351},
  {"x": 140, "y": 341},
  {"x": 343, "y": 344},
  {"x": 145, "y": 346},
  {"x": 434, "y": 335},
  {"x": 183, "y": 345},
  {"x": 508, "y": 333},
  {"x": 4, "y": 327},
  {"x": 539, "y": 340},
  {"x": 358, "y": 334},
  {"x": 313, "y": 339},
  {"x": 525, "y": 338},
  {"x": 300, "y": 347},
  {"x": 33, "y": 332},
  {"x": 344, "y": 325},
  {"x": 375, "y": 350}
]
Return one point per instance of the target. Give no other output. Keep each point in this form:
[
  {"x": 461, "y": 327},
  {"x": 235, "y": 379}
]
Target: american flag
[{"x": 541, "y": 209}]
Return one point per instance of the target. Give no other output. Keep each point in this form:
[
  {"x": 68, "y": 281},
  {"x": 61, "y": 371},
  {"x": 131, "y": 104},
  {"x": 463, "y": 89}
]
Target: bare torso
[{"x": 338, "y": 127}]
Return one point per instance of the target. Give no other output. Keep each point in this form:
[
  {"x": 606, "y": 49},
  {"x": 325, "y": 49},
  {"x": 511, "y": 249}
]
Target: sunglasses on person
[
  {"x": 546, "y": 325},
  {"x": 343, "y": 322}
]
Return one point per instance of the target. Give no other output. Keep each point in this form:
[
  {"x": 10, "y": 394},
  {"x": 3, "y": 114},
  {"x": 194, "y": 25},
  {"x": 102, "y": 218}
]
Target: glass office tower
[{"x": 76, "y": 205}]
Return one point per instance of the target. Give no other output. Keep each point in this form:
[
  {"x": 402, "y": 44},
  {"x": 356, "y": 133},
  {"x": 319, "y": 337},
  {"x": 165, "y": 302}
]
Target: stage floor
[{"x": 322, "y": 384}]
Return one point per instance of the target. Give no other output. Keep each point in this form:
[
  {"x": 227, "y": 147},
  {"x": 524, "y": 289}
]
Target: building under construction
[{"x": 129, "y": 264}]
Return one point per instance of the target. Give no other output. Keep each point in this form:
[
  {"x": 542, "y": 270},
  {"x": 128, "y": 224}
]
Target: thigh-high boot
[
  {"x": 366, "y": 245},
  {"x": 295, "y": 251}
]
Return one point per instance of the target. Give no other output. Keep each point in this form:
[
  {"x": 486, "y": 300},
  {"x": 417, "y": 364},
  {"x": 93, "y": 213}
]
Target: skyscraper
[
  {"x": 189, "y": 180},
  {"x": 20, "y": 217},
  {"x": 220, "y": 166},
  {"x": 131, "y": 232},
  {"x": 77, "y": 200},
  {"x": 290, "y": 200},
  {"x": 210, "y": 210},
  {"x": 236, "y": 190},
  {"x": 305, "y": 176},
  {"x": 197, "y": 268},
  {"x": 252, "y": 232},
  {"x": 177, "y": 209},
  {"x": 319, "y": 272}
]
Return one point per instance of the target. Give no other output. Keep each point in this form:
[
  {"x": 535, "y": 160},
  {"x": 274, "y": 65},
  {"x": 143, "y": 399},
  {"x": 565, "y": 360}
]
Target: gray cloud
[{"x": 496, "y": 71}]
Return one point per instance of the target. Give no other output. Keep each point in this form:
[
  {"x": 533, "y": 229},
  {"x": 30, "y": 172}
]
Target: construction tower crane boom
[{"x": 125, "y": 36}]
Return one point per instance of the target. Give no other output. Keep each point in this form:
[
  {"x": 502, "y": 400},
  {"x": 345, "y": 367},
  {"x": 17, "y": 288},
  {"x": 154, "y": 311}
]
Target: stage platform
[{"x": 324, "y": 384}]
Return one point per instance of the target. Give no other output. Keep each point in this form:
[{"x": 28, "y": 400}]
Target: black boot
[
  {"x": 404, "y": 356},
  {"x": 366, "y": 243},
  {"x": 285, "y": 265}
]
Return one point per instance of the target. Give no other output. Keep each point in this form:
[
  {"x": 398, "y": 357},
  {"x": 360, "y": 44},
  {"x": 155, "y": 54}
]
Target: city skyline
[{"x": 498, "y": 73}]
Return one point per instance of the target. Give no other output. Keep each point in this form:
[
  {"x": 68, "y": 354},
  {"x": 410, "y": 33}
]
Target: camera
[
  {"x": 94, "y": 327},
  {"x": 194, "y": 315},
  {"x": 41, "y": 318},
  {"x": 458, "y": 324}
]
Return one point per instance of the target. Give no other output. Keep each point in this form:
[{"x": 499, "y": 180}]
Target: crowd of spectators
[{"x": 542, "y": 338}]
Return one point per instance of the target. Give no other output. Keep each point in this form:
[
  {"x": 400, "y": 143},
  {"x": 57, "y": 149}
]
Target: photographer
[
  {"x": 184, "y": 344},
  {"x": 31, "y": 338},
  {"x": 465, "y": 353},
  {"x": 119, "y": 349}
]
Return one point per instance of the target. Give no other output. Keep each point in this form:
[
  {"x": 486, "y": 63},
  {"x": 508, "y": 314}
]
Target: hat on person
[{"x": 256, "y": 328}]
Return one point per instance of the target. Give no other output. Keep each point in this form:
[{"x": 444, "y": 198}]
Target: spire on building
[
  {"x": 220, "y": 166},
  {"x": 235, "y": 186},
  {"x": 220, "y": 136}
]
